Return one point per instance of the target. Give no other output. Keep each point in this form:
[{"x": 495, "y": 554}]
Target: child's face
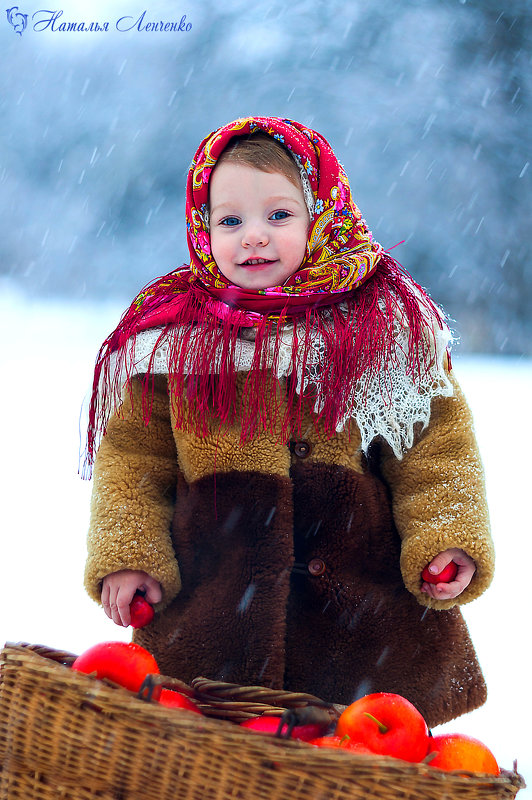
[{"x": 258, "y": 225}]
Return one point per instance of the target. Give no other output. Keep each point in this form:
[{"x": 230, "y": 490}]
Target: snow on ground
[{"x": 46, "y": 365}]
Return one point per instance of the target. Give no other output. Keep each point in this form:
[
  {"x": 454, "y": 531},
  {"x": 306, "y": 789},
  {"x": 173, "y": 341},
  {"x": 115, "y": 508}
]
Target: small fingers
[
  {"x": 439, "y": 562},
  {"x": 114, "y": 609},
  {"x": 114, "y": 600},
  {"x": 123, "y": 601},
  {"x": 152, "y": 590},
  {"x": 115, "y": 614},
  {"x": 465, "y": 574},
  {"x": 442, "y": 591},
  {"x": 105, "y": 598},
  {"x": 460, "y": 557}
]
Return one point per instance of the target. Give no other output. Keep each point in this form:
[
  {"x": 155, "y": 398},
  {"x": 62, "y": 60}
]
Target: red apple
[
  {"x": 141, "y": 611},
  {"x": 270, "y": 725},
  {"x": 172, "y": 699},
  {"x": 387, "y": 724},
  {"x": 447, "y": 574},
  {"x": 343, "y": 743},
  {"x": 126, "y": 663},
  {"x": 456, "y": 751}
]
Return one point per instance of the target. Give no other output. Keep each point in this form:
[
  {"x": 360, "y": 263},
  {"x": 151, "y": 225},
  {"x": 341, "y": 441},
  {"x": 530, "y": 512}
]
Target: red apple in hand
[
  {"x": 447, "y": 574},
  {"x": 141, "y": 611},
  {"x": 387, "y": 724}
]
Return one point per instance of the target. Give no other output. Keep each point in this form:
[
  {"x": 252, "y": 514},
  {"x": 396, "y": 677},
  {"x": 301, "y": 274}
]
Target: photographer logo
[{"x": 18, "y": 20}]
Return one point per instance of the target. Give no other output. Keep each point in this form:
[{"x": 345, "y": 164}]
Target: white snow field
[{"x": 46, "y": 364}]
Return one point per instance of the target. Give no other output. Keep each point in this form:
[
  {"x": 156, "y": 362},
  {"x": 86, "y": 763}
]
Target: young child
[{"x": 286, "y": 447}]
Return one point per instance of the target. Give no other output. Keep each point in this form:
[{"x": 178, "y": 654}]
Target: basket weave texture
[{"x": 69, "y": 736}]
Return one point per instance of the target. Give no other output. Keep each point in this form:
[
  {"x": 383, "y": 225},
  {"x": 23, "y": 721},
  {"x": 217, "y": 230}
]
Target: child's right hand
[{"x": 118, "y": 590}]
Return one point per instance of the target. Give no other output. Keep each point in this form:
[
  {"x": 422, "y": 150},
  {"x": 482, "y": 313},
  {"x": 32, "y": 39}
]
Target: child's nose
[{"x": 254, "y": 236}]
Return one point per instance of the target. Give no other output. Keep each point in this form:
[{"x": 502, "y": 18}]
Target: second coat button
[{"x": 316, "y": 566}]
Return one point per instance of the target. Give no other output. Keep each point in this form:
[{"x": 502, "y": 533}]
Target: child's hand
[
  {"x": 466, "y": 570},
  {"x": 118, "y": 590}
]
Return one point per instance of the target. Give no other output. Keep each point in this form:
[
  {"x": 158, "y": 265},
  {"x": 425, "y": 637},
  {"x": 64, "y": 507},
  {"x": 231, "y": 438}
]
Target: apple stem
[
  {"x": 345, "y": 738},
  {"x": 382, "y": 727}
]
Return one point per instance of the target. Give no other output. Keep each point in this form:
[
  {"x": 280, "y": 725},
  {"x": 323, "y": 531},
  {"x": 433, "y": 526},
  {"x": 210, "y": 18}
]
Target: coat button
[
  {"x": 316, "y": 566},
  {"x": 302, "y": 449}
]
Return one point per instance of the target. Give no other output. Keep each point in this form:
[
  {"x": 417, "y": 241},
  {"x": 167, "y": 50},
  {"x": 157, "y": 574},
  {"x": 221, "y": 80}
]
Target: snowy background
[{"x": 427, "y": 104}]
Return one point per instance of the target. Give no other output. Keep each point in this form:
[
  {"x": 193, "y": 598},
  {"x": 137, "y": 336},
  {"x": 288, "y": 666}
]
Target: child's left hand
[{"x": 466, "y": 570}]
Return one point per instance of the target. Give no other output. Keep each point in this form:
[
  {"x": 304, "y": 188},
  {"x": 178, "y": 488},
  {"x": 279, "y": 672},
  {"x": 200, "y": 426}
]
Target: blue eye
[
  {"x": 280, "y": 215},
  {"x": 230, "y": 222}
]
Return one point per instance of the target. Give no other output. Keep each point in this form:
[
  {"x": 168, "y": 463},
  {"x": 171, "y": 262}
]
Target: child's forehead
[
  {"x": 238, "y": 172},
  {"x": 239, "y": 182}
]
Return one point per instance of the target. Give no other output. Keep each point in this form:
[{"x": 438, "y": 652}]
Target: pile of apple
[
  {"x": 387, "y": 724},
  {"x": 382, "y": 724}
]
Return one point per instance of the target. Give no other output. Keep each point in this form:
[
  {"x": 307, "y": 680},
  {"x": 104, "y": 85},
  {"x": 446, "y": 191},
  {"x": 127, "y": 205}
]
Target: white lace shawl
[{"x": 388, "y": 406}]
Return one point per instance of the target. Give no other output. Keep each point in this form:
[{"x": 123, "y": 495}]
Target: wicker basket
[{"x": 66, "y": 735}]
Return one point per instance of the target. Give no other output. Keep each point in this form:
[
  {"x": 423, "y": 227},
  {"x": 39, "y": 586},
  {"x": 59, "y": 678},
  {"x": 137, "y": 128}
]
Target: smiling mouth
[{"x": 256, "y": 262}]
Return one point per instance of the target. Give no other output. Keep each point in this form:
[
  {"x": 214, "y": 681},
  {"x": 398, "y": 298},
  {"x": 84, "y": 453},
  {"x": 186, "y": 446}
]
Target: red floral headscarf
[
  {"x": 348, "y": 291},
  {"x": 340, "y": 252}
]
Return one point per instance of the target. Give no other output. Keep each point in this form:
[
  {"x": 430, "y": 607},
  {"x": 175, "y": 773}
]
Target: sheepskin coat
[{"x": 297, "y": 564}]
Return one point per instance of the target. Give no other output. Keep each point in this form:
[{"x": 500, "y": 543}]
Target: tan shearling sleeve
[
  {"x": 439, "y": 498},
  {"x": 132, "y": 504}
]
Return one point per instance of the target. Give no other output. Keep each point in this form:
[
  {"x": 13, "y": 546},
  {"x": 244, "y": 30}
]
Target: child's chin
[
  {"x": 254, "y": 280},
  {"x": 254, "y": 284}
]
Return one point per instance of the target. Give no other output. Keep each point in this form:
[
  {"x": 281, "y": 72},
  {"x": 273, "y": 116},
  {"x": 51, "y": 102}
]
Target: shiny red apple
[
  {"x": 126, "y": 663},
  {"x": 387, "y": 724},
  {"x": 456, "y": 751}
]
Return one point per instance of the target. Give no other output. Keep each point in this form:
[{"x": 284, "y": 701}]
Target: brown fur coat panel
[
  {"x": 232, "y": 538},
  {"x": 355, "y": 616}
]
